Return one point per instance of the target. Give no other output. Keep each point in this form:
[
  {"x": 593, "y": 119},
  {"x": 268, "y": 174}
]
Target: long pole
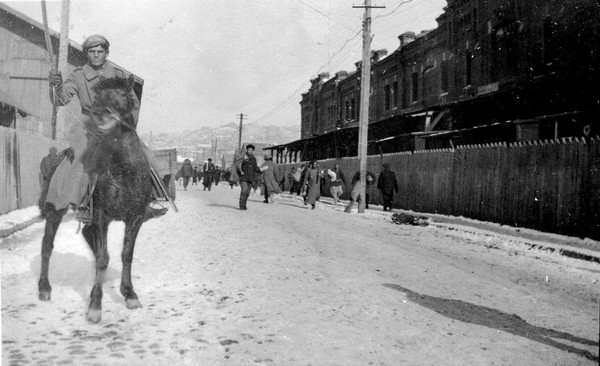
[
  {"x": 52, "y": 64},
  {"x": 365, "y": 86},
  {"x": 63, "y": 55},
  {"x": 240, "y": 134}
]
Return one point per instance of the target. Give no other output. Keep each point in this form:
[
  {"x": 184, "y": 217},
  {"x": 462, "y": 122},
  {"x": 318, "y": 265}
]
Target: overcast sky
[{"x": 204, "y": 62}]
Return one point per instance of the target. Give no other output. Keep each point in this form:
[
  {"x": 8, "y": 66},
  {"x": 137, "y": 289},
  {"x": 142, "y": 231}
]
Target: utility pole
[
  {"x": 365, "y": 88},
  {"x": 240, "y": 136}
]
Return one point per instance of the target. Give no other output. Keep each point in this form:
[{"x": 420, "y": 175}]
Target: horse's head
[{"x": 112, "y": 105}]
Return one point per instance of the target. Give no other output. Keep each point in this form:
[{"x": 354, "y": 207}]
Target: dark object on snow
[
  {"x": 123, "y": 190},
  {"x": 402, "y": 218}
]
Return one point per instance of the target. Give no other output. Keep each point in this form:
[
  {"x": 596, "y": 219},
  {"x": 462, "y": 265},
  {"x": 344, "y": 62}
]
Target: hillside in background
[{"x": 218, "y": 142}]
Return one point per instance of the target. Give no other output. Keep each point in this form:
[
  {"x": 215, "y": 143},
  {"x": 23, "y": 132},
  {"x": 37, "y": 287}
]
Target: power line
[
  {"x": 393, "y": 11},
  {"x": 278, "y": 107},
  {"x": 325, "y": 15}
]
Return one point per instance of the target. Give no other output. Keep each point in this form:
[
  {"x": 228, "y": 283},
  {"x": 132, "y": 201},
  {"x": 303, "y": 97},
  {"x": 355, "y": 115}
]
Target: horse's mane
[
  {"x": 111, "y": 83},
  {"x": 106, "y": 102}
]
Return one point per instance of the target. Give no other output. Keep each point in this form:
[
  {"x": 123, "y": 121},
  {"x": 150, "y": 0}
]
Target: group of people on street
[
  {"x": 208, "y": 175},
  {"x": 307, "y": 180}
]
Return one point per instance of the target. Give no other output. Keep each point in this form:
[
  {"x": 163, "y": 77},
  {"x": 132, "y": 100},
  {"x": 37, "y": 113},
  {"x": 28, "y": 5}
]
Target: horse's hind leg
[
  {"x": 95, "y": 235},
  {"x": 53, "y": 220},
  {"x": 132, "y": 228}
]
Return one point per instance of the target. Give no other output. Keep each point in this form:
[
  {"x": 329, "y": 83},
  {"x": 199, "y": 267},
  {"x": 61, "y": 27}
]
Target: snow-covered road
[{"x": 281, "y": 284}]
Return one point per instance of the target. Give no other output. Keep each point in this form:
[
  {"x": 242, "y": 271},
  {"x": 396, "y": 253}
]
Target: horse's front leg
[
  {"x": 132, "y": 228},
  {"x": 95, "y": 235},
  {"x": 53, "y": 220}
]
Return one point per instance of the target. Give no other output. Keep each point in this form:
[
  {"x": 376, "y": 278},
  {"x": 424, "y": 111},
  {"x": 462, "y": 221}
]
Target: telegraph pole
[
  {"x": 240, "y": 136},
  {"x": 365, "y": 87}
]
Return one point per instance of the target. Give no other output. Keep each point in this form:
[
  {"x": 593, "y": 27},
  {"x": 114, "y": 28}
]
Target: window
[
  {"x": 352, "y": 108},
  {"x": 468, "y": 66},
  {"x": 444, "y": 75},
  {"x": 388, "y": 97},
  {"x": 548, "y": 52},
  {"x": 347, "y": 115},
  {"x": 395, "y": 93},
  {"x": 415, "y": 86}
]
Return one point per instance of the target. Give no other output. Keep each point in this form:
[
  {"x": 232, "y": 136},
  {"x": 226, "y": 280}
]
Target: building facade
[{"x": 492, "y": 71}]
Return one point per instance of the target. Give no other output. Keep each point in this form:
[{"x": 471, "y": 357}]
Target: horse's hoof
[
  {"x": 45, "y": 295},
  {"x": 94, "y": 315},
  {"x": 133, "y": 304}
]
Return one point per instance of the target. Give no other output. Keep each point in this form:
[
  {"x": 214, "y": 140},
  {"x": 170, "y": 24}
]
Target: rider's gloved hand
[{"x": 55, "y": 78}]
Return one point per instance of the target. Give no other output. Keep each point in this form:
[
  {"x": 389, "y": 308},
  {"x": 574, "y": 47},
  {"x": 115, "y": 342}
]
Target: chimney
[
  {"x": 341, "y": 75},
  {"x": 323, "y": 76},
  {"x": 406, "y": 38},
  {"x": 378, "y": 54}
]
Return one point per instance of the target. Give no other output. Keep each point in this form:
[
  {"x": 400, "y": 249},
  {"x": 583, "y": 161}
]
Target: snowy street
[{"x": 281, "y": 284}]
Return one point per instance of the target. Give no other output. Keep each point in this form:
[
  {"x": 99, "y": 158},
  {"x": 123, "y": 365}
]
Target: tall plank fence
[
  {"x": 551, "y": 186},
  {"x": 20, "y": 155}
]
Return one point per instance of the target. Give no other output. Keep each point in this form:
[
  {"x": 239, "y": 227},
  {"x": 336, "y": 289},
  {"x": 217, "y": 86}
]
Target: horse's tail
[{"x": 46, "y": 207}]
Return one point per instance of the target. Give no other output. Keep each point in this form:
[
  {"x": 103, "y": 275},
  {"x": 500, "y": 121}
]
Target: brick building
[{"x": 492, "y": 70}]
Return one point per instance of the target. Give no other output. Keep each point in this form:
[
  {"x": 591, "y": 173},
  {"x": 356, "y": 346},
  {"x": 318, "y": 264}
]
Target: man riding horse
[{"x": 71, "y": 184}]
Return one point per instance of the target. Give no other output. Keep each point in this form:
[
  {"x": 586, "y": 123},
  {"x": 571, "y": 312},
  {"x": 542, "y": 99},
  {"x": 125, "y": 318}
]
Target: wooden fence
[
  {"x": 551, "y": 186},
  {"x": 20, "y": 155}
]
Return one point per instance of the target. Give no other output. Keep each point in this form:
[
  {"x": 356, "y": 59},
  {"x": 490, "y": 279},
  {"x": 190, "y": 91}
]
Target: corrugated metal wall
[{"x": 20, "y": 156}]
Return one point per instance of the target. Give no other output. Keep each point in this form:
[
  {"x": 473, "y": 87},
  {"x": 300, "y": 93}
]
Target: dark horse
[{"x": 115, "y": 162}]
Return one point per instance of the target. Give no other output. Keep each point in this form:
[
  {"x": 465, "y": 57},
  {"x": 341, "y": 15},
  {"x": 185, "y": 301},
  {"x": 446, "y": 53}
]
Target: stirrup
[{"x": 84, "y": 215}]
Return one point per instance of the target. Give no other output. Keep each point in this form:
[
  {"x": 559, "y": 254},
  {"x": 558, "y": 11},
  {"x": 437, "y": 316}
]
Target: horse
[{"x": 121, "y": 191}]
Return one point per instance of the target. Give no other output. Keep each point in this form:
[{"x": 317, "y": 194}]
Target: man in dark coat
[
  {"x": 186, "y": 172},
  {"x": 387, "y": 184},
  {"x": 249, "y": 172},
  {"x": 209, "y": 171}
]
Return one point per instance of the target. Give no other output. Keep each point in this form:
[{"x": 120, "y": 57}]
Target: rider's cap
[{"x": 95, "y": 40}]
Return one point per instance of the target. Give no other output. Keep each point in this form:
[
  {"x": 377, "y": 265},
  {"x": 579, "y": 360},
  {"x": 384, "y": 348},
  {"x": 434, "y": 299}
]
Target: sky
[{"x": 206, "y": 62}]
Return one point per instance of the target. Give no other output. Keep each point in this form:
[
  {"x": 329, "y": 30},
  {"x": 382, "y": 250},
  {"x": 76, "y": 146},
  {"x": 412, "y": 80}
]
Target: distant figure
[
  {"x": 209, "y": 171},
  {"x": 294, "y": 178},
  {"x": 312, "y": 181},
  {"x": 248, "y": 172},
  {"x": 270, "y": 179},
  {"x": 217, "y": 175},
  {"x": 186, "y": 172},
  {"x": 48, "y": 165},
  {"x": 195, "y": 176},
  {"x": 354, "y": 195},
  {"x": 387, "y": 184},
  {"x": 337, "y": 179}
]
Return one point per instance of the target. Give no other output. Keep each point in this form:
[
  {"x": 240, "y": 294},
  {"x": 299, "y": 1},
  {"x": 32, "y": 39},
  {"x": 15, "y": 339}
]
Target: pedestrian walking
[
  {"x": 387, "y": 184},
  {"x": 337, "y": 179},
  {"x": 71, "y": 185},
  {"x": 270, "y": 179},
  {"x": 208, "y": 172},
  {"x": 312, "y": 182},
  {"x": 48, "y": 165},
  {"x": 248, "y": 172},
  {"x": 355, "y": 194},
  {"x": 186, "y": 172},
  {"x": 195, "y": 176}
]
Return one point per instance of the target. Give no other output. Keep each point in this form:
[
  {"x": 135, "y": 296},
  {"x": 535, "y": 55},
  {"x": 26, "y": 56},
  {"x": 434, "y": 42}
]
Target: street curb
[
  {"x": 582, "y": 254},
  {"x": 18, "y": 227},
  {"x": 589, "y": 255}
]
